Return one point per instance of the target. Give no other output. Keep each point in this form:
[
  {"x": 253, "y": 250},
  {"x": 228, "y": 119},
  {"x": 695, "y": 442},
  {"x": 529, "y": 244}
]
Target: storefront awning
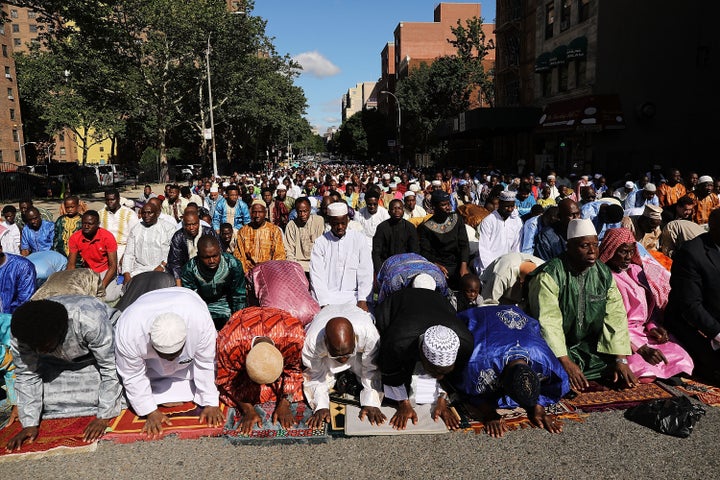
[
  {"x": 558, "y": 56},
  {"x": 577, "y": 48},
  {"x": 587, "y": 113},
  {"x": 542, "y": 63}
]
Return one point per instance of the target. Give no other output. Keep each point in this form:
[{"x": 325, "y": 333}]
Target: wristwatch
[{"x": 621, "y": 360}]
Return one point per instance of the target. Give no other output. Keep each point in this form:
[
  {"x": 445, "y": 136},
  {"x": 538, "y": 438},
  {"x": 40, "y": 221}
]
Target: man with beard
[
  {"x": 671, "y": 191},
  {"x": 211, "y": 199},
  {"x": 218, "y": 278},
  {"x": 412, "y": 209},
  {"x": 259, "y": 241},
  {"x": 706, "y": 201},
  {"x": 184, "y": 243},
  {"x": 301, "y": 233},
  {"x": 38, "y": 234},
  {"x": 581, "y": 311},
  {"x": 443, "y": 239},
  {"x": 174, "y": 205},
  {"x": 499, "y": 232},
  {"x": 393, "y": 236}
]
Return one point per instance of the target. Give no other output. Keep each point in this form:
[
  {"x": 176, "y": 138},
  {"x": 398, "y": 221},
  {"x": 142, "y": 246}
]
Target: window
[
  {"x": 4, "y": 50},
  {"x": 102, "y": 149},
  {"x": 33, "y": 28},
  {"x": 583, "y": 10},
  {"x": 17, "y": 42},
  {"x": 2, "y": 29},
  {"x": 565, "y": 15},
  {"x": 10, "y": 94},
  {"x": 12, "y": 114},
  {"x": 1, "y": 157},
  {"x": 15, "y": 135},
  {"x": 61, "y": 137},
  {"x": 549, "y": 19},
  {"x": 563, "y": 77},
  {"x": 13, "y": 14},
  {"x": 32, "y": 14},
  {"x": 17, "y": 156},
  {"x": 7, "y": 71},
  {"x": 580, "y": 72},
  {"x": 546, "y": 79},
  {"x": 16, "y": 28}
]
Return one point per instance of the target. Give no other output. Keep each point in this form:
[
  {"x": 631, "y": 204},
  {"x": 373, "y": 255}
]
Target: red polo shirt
[{"x": 94, "y": 252}]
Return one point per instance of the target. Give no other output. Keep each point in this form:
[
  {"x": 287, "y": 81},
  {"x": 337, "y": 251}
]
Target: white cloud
[
  {"x": 315, "y": 64},
  {"x": 332, "y": 120}
]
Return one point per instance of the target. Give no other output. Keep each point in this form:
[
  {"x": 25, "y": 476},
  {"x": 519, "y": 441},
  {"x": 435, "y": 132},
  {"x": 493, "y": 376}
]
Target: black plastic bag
[{"x": 675, "y": 416}]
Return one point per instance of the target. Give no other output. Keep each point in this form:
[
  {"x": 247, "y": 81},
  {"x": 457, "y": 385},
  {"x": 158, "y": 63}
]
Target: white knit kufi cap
[
  {"x": 705, "y": 179},
  {"x": 214, "y": 188},
  {"x": 581, "y": 227},
  {"x": 386, "y": 176},
  {"x": 424, "y": 280},
  {"x": 436, "y": 183},
  {"x": 629, "y": 185},
  {"x": 281, "y": 187},
  {"x": 409, "y": 193},
  {"x": 414, "y": 187},
  {"x": 168, "y": 333},
  {"x": 264, "y": 363},
  {"x": 337, "y": 209},
  {"x": 507, "y": 196},
  {"x": 440, "y": 345}
]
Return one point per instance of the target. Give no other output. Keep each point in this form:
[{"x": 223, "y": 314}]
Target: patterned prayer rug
[
  {"x": 515, "y": 419},
  {"x": 127, "y": 427},
  {"x": 58, "y": 436},
  {"x": 599, "y": 398},
  {"x": 271, "y": 433},
  {"x": 707, "y": 394}
]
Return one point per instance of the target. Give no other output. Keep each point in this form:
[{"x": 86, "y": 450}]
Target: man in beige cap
[
  {"x": 259, "y": 360},
  {"x": 581, "y": 312},
  {"x": 165, "y": 353},
  {"x": 646, "y": 227}
]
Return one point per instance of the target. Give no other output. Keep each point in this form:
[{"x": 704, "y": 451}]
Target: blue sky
[{"x": 338, "y": 42}]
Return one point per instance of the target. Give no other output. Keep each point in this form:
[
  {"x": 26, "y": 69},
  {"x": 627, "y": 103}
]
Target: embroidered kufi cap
[
  {"x": 337, "y": 209},
  {"x": 168, "y": 333},
  {"x": 440, "y": 345}
]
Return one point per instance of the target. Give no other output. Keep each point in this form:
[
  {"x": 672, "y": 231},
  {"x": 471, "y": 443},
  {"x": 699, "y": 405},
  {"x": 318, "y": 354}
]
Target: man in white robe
[
  {"x": 371, "y": 215},
  {"x": 341, "y": 268},
  {"x": 148, "y": 244},
  {"x": 342, "y": 338},
  {"x": 499, "y": 232},
  {"x": 165, "y": 353}
]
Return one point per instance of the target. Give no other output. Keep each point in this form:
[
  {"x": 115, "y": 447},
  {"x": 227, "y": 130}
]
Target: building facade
[{"x": 362, "y": 96}]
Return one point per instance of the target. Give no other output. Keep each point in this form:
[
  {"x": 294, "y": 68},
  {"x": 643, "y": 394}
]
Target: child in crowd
[{"x": 469, "y": 292}]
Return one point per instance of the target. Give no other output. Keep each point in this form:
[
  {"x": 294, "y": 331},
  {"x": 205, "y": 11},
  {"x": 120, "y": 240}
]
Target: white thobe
[
  {"x": 501, "y": 276},
  {"x": 341, "y": 269},
  {"x": 371, "y": 222},
  {"x": 352, "y": 225},
  {"x": 418, "y": 211},
  {"x": 10, "y": 238},
  {"x": 147, "y": 247},
  {"x": 120, "y": 224},
  {"x": 497, "y": 237},
  {"x": 320, "y": 370},
  {"x": 148, "y": 379}
]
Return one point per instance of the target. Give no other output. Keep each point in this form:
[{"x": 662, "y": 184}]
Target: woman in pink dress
[{"x": 644, "y": 289}]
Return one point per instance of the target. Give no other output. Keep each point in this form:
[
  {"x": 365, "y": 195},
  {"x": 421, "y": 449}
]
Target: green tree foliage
[{"x": 363, "y": 136}]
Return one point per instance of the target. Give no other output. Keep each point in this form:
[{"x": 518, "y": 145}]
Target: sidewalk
[{"x": 96, "y": 200}]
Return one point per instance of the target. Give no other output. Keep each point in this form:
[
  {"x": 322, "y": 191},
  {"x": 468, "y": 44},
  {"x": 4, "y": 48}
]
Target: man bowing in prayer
[
  {"x": 165, "y": 353},
  {"x": 581, "y": 311},
  {"x": 342, "y": 340}
]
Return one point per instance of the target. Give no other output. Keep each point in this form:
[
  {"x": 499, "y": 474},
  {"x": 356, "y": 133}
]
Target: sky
[{"x": 338, "y": 43}]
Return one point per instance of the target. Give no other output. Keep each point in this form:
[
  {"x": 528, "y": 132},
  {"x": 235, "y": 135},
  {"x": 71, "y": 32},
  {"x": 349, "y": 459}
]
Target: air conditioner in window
[
  {"x": 7, "y": 75},
  {"x": 10, "y": 97}
]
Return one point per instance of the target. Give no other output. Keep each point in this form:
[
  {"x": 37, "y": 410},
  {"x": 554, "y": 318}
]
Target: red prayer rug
[
  {"x": 127, "y": 427},
  {"x": 58, "y": 436},
  {"x": 599, "y": 398},
  {"x": 271, "y": 433},
  {"x": 515, "y": 419},
  {"x": 707, "y": 394}
]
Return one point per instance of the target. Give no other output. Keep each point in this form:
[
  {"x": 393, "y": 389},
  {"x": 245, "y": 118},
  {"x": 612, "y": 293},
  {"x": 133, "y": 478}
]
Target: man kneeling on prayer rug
[
  {"x": 422, "y": 342},
  {"x": 165, "y": 354},
  {"x": 511, "y": 366},
  {"x": 259, "y": 360},
  {"x": 65, "y": 367},
  {"x": 342, "y": 340}
]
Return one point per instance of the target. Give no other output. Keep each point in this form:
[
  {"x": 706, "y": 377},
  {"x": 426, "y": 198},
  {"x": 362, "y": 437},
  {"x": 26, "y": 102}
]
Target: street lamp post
[
  {"x": 210, "y": 99},
  {"x": 49, "y": 149},
  {"x": 22, "y": 146},
  {"x": 399, "y": 124}
]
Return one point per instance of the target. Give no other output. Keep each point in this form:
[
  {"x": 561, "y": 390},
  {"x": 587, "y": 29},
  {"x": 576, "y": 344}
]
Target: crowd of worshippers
[{"x": 497, "y": 291}]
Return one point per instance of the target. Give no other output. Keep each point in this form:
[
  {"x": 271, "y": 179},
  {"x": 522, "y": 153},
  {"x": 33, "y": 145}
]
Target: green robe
[
  {"x": 64, "y": 228},
  {"x": 224, "y": 291},
  {"x": 581, "y": 315}
]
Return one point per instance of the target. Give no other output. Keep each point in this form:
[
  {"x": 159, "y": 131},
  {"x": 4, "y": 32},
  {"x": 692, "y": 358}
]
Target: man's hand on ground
[
  {"x": 374, "y": 415},
  {"x": 27, "y": 434},
  {"x": 95, "y": 429},
  {"x": 577, "y": 379},
  {"x": 539, "y": 419},
  {"x": 404, "y": 413},
  {"x": 283, "y": 415},
  {"x": 213, "y": 416},
  {"x": 318, "y": 418},
  {"x": 154, "y": 424},
  {"x": 442, "y": 411}
]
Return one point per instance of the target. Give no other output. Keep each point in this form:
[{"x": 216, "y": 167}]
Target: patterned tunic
[
  {"x": 257, "y": 245},
  {"x": 234, "y": 343},
  {"x": 64, "y": 228}
]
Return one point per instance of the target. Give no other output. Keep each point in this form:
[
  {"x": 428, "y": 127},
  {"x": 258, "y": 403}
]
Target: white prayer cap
[
  {"x": 337, "y": 209},
  {"x": 281, "y": 187},
  {"x": 582, "y": 227},
  {"x": 629, "y": 185},
  {"x": 168, "y": 333},
  {"x": 597, "y": 176},
  {"x": 264, "y": 363},
  {"x": 423, "y": 280},
  {"x": 436, "y": 183},
  {"x": 409, "y": 193},
  {"x": 653, "y": 211},
  {"x": 440, "y": 345},
  {"x": 705, "y": 179},
  {"x": 226, "y": 184},
  {"x": 393, "y": 185},
  {"x": 386, "y": 176},
  {"x": 214, "y": 188},
  {"x": 414, "y": 187},
  {"x": 313, "y": 202},
  {"x": 650, "y": 187},
  {"x": 550, "y": 177},
  {"x": 507, "y": 196}
]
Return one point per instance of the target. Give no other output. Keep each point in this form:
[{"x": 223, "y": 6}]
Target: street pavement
[{"x": 604, "y": 446}]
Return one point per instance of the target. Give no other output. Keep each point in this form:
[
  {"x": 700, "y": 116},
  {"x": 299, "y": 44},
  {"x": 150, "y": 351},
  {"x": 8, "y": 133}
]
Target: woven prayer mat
[
  {"x": 127, "y": 427},
  {"x": 58, "y": 436},
  {"x": 707, "y": 394},
  {"x": 515, "y": 419},
  {"x": 270, "y": 433},
  {"x": 599, "y": 398}
]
